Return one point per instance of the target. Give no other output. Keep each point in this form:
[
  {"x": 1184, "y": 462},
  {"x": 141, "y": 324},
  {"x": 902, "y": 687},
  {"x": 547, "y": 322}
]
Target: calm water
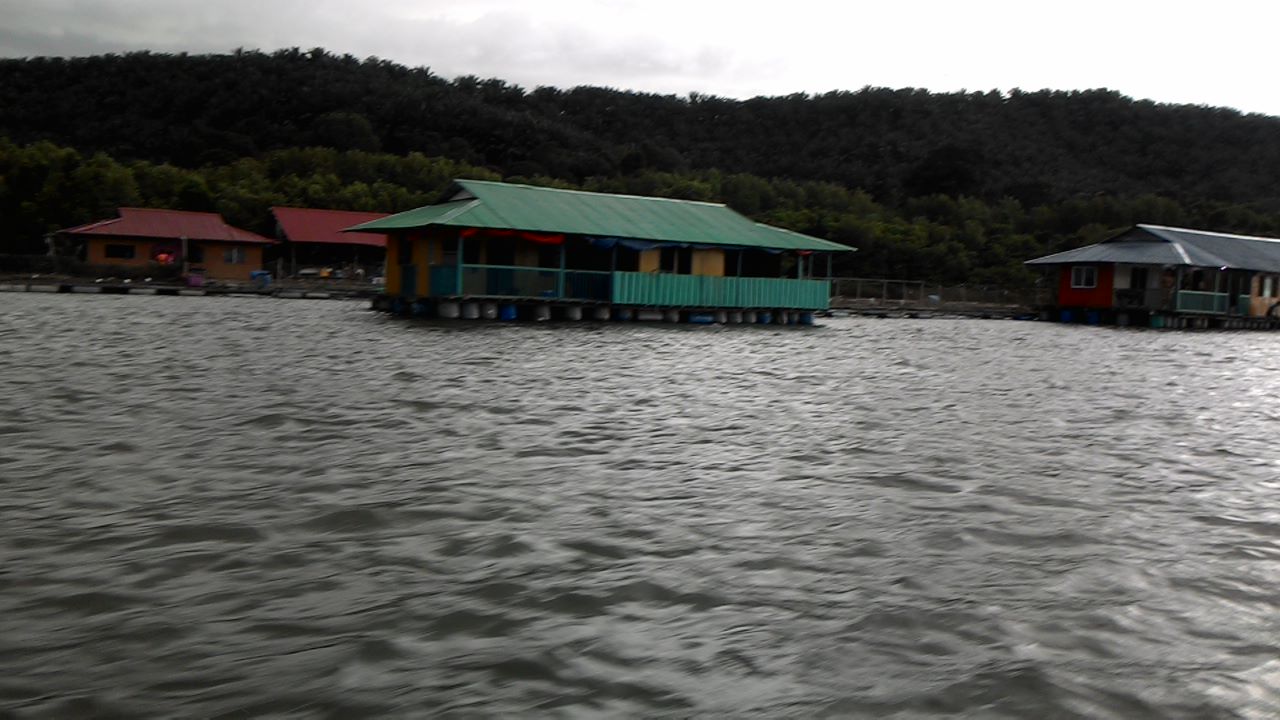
[{"x": 244, "y": 507}]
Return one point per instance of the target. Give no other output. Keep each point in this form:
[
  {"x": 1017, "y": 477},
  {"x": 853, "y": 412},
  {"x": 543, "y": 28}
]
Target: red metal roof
[
  {"x": 169, "y": 224},
  {"x": 307, "y": 225}
]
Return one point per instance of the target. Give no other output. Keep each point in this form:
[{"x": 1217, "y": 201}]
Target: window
[
  {"x": 628, "y": 259},
  {"x": 471, "y": 252},
  {"x": 1084, "y": 276},
  {"x": 501, "y": 253},
  {"x": 1267, "y": 286},
  {"x": 122, "y": 252},
  {"x": 676, "y": 260},
  {"x": 548, "y": 256},
  {"x": 233, "y": 255}
]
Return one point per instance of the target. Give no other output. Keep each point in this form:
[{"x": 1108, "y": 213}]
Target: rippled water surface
[{"x": 247, "y": 507}]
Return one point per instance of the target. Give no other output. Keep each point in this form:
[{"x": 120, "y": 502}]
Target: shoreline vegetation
[{"x": 956, "y": 188}]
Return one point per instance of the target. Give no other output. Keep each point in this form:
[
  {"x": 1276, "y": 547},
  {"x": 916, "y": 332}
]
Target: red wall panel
[{"x": 1095, "y": 297}]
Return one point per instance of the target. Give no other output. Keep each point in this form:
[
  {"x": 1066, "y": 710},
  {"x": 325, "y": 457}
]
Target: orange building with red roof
[
  {"x": 314, "y": 237},
  {"x": 147, "y": 236}
]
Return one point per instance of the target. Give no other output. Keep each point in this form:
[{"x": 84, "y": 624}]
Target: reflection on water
[{"x": 242, "y": 507}]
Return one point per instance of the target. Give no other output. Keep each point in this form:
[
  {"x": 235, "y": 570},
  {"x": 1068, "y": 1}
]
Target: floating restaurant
[
  {"x": 505, "y": 251},
  {"x": 1169, "y": 277}
]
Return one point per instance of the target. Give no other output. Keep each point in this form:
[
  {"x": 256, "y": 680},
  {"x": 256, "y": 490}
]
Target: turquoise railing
[
  {"x": 1190, "y": 301},
  {"x": 444, "y": 280},
  {"x": 628, "y": 288},
  {"x": 702, "y": 291},
  {"x": 514, "y": 281},
  {"x": 509, "y": 281}
]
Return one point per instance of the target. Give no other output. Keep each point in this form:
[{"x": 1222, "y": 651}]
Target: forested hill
[
  {"x": 1036, "y": 147},
  {"x": 1040, "y": 151}
]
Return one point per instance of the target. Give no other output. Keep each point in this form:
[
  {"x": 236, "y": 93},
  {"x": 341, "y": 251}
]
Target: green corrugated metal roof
[{"x": 494, "y": 205}]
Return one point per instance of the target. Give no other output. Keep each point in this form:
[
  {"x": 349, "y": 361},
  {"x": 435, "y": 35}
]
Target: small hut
[{"x": 1165, "y": 276}]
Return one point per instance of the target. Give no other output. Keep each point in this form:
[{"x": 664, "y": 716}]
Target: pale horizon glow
[{"x": 1175, "y": 52}]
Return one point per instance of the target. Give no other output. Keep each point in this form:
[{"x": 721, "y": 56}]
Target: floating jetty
[
  {"x": 500, "y": 251},
  {"x": 85, "y": 288}
]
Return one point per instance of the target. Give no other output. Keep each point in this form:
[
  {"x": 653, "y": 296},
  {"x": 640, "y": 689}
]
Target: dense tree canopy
[{"x": 952, "y": 187}]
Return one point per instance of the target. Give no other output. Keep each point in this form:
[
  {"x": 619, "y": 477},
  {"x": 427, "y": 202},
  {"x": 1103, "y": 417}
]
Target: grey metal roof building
[{"x": 1159, "y": 245}]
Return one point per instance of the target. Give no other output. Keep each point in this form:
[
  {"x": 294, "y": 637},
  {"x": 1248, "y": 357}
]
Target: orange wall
[
  {"x": 708, "y": 262},
  {"x": 429, "y": 249},
  {"x": 650, "y": 260},
  {"x": 1096, "y": 297},
  {"x": 391, "y": 271},
  {"x": 213, "y": 266},
  {"x": 426, "y": 249},
  {"x": 96, "y": 252},
  {"x": 217, "y": 268}
]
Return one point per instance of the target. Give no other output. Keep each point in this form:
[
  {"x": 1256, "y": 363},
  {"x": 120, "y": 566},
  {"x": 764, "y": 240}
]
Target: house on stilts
[
  {"x": 1168, "y": 277},
  {"x": 506, "y": 251}
]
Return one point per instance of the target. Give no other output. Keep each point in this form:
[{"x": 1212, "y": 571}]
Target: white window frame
[{"x": 1084, "y": 277}]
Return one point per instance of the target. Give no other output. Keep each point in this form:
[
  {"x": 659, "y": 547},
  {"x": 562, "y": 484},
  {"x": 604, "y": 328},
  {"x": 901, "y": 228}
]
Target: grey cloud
[
  {"x": 528, "y": 48},
  {"x": 79, "y": 27},
  {"x": 20, "y": 43}
]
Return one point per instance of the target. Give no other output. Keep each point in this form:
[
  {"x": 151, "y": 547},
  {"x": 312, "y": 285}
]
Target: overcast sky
[{"x": 1182, "y": 52}]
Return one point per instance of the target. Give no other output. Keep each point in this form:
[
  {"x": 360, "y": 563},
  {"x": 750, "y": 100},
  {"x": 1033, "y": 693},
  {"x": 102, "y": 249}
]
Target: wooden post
[
  {"x": 461, "y": 243},
  {"x": 560, "y": 277}
]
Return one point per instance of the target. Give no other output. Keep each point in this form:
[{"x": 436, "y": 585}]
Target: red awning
[{"x": 543, "y": 238}]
